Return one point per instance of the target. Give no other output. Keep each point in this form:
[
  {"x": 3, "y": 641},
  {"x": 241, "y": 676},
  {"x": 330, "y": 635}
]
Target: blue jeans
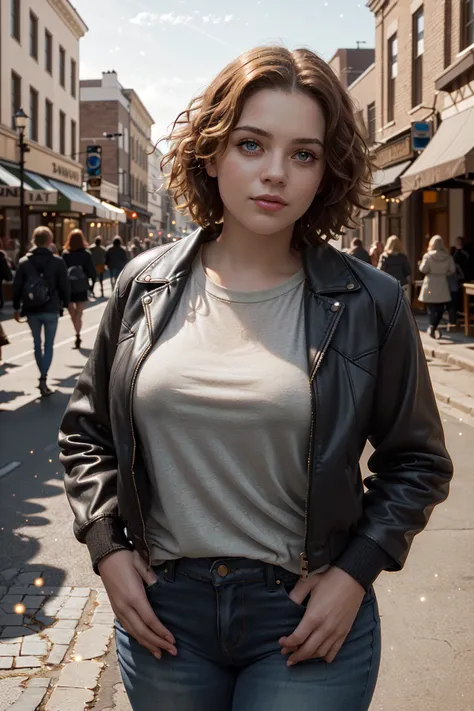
[
  {"x": 43, "y": 356},
  {"x": 227, "y": 630}
]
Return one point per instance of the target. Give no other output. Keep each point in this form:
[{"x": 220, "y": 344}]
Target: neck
[{"x": 242, "y": 258}]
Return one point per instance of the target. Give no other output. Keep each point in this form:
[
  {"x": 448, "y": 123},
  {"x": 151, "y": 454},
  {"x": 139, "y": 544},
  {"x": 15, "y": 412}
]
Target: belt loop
[
  {"x": 170, "y": 570},
  {"x": 270, "y": 577}
]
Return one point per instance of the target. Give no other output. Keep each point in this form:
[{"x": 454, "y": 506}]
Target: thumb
[
  {"x": 147, "y": 574},
  {"x": 301, "y": 590}
]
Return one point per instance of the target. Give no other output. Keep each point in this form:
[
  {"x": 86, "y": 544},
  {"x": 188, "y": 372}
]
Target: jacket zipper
[
  {"x": 304, "y": 563},
  {"x": 132, "y": 387}
]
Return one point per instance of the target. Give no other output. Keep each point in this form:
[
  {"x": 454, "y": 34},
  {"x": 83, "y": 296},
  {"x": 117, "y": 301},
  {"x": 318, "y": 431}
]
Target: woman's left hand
[{"x": 335, "y": 600}]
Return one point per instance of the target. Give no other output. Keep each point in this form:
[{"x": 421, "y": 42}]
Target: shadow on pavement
[{"x": 24, "y": 496}]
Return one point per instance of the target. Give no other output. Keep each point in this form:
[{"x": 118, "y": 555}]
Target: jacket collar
[{"x": 327, "y": 270}]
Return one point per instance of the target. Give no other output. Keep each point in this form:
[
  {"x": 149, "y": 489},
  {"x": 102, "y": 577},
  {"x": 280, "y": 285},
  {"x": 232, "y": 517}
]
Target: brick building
[
  {"x": 424, "y": 61},
  {"x": 115, "y": 119}
]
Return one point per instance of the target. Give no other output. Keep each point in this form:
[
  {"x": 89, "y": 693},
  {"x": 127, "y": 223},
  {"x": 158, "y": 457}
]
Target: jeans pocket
[
  {"x": 286, "y": 586},
  {"x": 153, "y": 587}
]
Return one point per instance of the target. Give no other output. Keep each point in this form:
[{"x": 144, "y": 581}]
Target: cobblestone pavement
[{"x": 53, "y": 643}]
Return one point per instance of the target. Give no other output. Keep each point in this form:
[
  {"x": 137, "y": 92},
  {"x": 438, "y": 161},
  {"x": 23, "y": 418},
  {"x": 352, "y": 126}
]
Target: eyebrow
[{"x": 261, "y": 132}]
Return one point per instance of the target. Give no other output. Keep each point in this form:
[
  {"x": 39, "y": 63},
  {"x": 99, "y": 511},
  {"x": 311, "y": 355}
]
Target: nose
[{"x": 274, "y": 170}]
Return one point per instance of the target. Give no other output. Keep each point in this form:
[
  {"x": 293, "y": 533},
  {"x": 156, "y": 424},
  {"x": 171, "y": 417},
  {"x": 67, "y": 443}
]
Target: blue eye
[
  {"x": 247, "y": 143},
  {"x": 308, "y": 155}
]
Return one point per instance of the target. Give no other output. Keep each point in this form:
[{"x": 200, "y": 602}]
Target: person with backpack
[
  {"x": 116, "y": 259},
  {"x": 40, "y": 292},
  {"x": 80, "y": 269}
]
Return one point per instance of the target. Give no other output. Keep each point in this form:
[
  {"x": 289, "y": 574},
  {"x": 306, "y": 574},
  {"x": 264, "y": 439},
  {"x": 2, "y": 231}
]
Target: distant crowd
[
  {"x": 46, "y": 283},
  {"x": 444, "y": 272}
]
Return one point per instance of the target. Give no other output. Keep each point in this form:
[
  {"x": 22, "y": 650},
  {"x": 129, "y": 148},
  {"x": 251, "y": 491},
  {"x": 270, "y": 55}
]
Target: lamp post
[{"x": 21, "y": 122}]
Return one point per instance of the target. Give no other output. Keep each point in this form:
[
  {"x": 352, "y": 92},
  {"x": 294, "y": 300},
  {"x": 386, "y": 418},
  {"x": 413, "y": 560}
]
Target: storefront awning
[
  {"x": 117, "y": 213},
  {"x": 35, "y": 194},
  {"x": 449, "y": 154},
  {"x": 388, "y": 176},
  {"x": 79, "y": 201}
]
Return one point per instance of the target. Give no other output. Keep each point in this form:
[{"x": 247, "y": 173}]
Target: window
[
  {"x": 125, "y": 183},
  {"x": 15, "y": 19},
  {"x": 33, "y": 36},
  {"x": 73, "y": 139},
  {"x": 467, "y": 30},
  {"x": 16, "y": 96},
  {"x": 62, "y": 67},
  {"x": 73, "y": 77},
  {"x": 33, "y": 114},
  {"x": 48, "y": 51},
  {"x": 62, "y": 133},
  {"x": 392, "y": 76},
  {"x": 418, "y": 34},
  {"x": 48, "y": 123},
  {"x": 126, "y": 145},
  {"x": 371, "y": 124}
]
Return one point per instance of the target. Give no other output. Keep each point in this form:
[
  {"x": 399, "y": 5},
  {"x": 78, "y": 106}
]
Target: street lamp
[{"x": 21, "y": 122}]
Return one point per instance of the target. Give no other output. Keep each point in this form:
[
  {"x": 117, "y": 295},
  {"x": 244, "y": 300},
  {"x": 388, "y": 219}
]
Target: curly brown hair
[
  {"x": 201, "y": 132},
  {"x": 75, "y": 240}
]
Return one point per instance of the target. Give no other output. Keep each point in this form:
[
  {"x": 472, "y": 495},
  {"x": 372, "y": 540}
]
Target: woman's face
[{"x": 276, "y": 149}]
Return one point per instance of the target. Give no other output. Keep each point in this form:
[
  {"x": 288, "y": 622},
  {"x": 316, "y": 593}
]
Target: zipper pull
[{"x": 304, "y": 566}]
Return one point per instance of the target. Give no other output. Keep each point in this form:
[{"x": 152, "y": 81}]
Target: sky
[{"x": 169, "y": 50}]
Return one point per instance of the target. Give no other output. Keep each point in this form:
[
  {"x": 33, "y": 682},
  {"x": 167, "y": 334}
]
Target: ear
[{"x": 211, "y": 170}]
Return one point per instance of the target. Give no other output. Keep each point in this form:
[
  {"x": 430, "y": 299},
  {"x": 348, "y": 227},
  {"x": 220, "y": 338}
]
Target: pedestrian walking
[
  {"x": 395, "y": 262},
  {"x": 212, "y": 443},
  {"x": 358, "y": 250},
  {"x": 5, "y": 274},
  {"x": 437, "y": 265},
  {"x": 3, "y": 341},
  {"x": 375, "y": 252},
  {"x": 136, "y": 248},
  {"x": 81, "y": 273},
  {"x": 41, "y": 292},
  {"x": 99, "y": 257},
  {"x": 116, "y": 259}
]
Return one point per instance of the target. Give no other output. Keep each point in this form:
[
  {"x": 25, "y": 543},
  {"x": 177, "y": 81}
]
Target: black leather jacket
[{"x": 369, "y": 380}]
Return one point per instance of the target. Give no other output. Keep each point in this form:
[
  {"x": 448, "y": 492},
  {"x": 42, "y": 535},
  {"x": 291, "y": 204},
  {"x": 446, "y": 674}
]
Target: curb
[
  {"x": 448, "y": 357},
  {"x": 460, "y": 402}
]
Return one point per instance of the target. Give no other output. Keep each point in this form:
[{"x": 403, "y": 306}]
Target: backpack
[
  {"x": 36, "y": 290},
  {"x": 78, "y": 279}
]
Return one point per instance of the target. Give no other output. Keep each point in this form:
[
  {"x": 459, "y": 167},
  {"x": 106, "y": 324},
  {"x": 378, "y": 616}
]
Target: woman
[
  {"x": 235, "y": 379},
  {"x": 395, "y": 262},
  {"x": 437, "y": 265},
  {"x": 81, "y": 272},
  {"x": 375, "y": 252}
]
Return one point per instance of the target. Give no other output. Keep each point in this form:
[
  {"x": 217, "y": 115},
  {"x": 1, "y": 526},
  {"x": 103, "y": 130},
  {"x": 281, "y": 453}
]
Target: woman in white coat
[{"x": 437, "y": 264}]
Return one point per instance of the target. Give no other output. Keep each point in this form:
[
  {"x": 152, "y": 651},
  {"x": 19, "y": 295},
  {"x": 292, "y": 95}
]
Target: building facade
[
  {"x": 140, "y": 138},
  {"x": 39, "y": 61},
  {"x": 105, "y": 122},
  {"x": 424, "y": 82}
]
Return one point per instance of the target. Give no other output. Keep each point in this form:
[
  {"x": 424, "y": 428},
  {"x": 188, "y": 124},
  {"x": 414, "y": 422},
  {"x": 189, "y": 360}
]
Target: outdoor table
[{"x": 468, "y": 291}]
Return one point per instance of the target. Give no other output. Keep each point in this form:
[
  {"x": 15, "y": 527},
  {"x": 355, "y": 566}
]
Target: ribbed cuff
[
  {"x": 103, "y": 537},
  {"x": 364, "y": 560}
]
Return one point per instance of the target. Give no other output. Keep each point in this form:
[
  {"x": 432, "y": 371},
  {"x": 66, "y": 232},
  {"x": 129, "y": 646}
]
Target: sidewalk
[{"x": 451, "y": 361}]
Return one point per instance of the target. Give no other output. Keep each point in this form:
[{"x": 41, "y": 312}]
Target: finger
[
  {"x": 301, "y": 591},
  {"x": 145, "y": 611},
  {"x": 326, "y": 646},
  {"x": 306, "y": 627},
  {"x": 144, "y": 635},
  {"x": 288, "y": 650},
  {"x": 334, "y": 651},
  {"x": 147, "y": 574},
  {"x": 308, "y": 649}
]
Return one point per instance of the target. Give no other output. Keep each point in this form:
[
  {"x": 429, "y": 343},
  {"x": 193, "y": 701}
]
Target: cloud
[{"x": 171, "y": 18}]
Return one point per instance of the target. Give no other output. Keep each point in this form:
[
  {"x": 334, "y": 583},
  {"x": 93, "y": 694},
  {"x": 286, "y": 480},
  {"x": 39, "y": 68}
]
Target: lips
[{"x": 270, "y": 198}]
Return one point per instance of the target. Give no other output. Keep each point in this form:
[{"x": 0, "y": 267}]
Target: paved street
[{"x": 55, "y": 651}]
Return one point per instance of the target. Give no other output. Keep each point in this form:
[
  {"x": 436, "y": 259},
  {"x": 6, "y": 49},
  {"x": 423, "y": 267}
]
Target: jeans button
[{"x": 222, "y": 570}]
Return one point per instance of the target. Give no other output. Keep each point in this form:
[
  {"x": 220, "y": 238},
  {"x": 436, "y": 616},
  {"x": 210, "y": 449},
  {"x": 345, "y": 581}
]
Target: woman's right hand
[{"x": 124, "y": 573}]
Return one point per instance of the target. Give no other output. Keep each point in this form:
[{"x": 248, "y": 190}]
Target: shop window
[
  {"x": 62, "y": 67},
  {"x": 62, "y": 133},
  {"x": 48, "y": 51},
  {"x": 418, "y": 34},
  {"x": 467, "y": 19},
  {"x": 15, "y": 96},
  {"x": 392, "y": 76},
  {"x": 48, "y": 123},
  {"x": 33, "y": 36},
  {"x": 73, "y": 78},
  {"x": 371, "y": 124},
  {"x": 33, "y": 114},
  {"x": 15, "y": 29}
]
